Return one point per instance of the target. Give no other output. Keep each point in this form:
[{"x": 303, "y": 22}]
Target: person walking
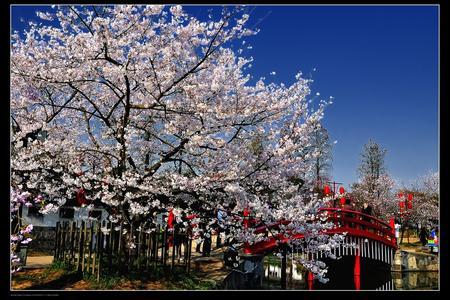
[
  {"x": 207, "y": 243},
  {"x": 200, "y": 240},
  {"x": 423, "y": 235},
  {"x": 221, "y": 215},
  {"x": 397, "y": 232}
]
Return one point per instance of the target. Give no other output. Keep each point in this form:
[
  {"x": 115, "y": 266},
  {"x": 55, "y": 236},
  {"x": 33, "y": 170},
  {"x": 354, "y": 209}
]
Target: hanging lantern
[
  {"x": 400, "y": 195},
  {"x": 81, "y": 197},
  {"x": 170, "y": 219},
  {"x": 410, "y": 198},
  {"x": 246, "y": 217},
  {"x": 402, "y": 207},
  {"x": 341, "y": 190},
  {"x": 327, "y": 190},
  {"x": 342, "y": 201}
]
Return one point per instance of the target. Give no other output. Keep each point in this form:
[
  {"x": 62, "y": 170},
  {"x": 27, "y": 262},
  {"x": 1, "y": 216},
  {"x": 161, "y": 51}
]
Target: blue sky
[{"x": 380, "y": 63}]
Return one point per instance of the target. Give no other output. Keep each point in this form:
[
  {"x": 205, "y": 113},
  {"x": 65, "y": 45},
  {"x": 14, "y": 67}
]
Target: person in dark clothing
[
  {"x": 367, "y": 209},
  {"x": 199, "y": 245},
  {"x": 423, "y": 235},
  {"x": 207, "y": 244}
]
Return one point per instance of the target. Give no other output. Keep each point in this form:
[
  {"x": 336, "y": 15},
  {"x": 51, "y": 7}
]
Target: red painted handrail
[
  {"x": 363, "y": 215},
  {"x": 354, "y": 223}
]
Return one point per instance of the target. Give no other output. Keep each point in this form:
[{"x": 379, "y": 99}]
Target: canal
[{"x": 341, "y": 277}]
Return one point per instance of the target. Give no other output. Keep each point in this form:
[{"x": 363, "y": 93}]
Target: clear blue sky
[{"x": 380, "y": 63}]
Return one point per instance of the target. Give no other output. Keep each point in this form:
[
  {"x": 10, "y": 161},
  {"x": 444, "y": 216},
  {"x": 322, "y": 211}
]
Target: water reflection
[
  {"x": 415, "y": 280},
  {"x": 295, "y": 277},
  {"x": 344, "y": 280}
]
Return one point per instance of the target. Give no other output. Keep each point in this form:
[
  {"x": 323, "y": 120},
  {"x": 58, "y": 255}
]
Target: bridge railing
[{"x": 360, "y": 224}]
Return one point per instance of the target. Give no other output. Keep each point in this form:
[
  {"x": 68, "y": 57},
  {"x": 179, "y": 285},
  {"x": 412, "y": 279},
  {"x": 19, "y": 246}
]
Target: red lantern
[
  {"x": 246, "y": 220},
  {"x": 341, "y": 190},
  {"x": 402, "y": 207},
  {"x": 327, "y": 190},
  {"x": 400, "y": 195},
  {"x": 342, "y": 201},
  {"x": 409, "y": 205},
  {"x": 410, "y": 197}
]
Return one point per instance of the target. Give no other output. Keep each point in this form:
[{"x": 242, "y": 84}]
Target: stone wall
[{"x": 415, "y": 261}]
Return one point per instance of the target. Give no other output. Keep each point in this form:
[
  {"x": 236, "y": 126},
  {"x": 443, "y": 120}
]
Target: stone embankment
[{"x": 412, "y": 261}]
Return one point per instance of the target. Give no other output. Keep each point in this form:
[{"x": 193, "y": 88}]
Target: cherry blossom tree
[
  {"x": 425, "y": 203},
  {"x": 381, "y": 197},
  {"x": 146, "y": 108}
]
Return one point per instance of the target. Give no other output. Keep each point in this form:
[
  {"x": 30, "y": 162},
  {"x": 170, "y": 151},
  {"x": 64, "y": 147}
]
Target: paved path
[{"x": 34, "y": 262}]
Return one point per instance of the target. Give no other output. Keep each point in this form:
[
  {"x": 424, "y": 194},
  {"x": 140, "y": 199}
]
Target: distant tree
[
  {"x": 322, "y": 161},
  {"x": 372, "y": 163},
  {"x": 375, "y": 185}
]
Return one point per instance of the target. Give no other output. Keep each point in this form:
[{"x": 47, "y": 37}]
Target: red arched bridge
[{"x": 374, "y": 239}]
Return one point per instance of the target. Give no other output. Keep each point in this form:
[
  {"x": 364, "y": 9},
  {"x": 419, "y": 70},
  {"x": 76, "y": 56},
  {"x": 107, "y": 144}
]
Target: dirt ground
[{"x": 38, "y": 275}]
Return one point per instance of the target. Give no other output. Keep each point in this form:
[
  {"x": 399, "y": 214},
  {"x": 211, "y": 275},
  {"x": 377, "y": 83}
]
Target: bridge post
[
  {"x": 310, "y": 280},
  {"x": 357, "y": 270}
]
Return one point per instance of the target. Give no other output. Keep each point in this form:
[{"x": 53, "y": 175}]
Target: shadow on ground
[{"x": 57, "y": 284}]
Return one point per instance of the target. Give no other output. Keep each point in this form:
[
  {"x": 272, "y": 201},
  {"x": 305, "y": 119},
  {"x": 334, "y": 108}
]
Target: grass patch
[
  {"x": 104, "y": 283},
  {"x": 164, "y": 278},
  {"x": 191, "y": 282}
]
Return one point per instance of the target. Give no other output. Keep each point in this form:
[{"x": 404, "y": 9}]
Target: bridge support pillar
[
  {"x": 357, "y": 271},
  {"x": 310, "y": 281}
]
